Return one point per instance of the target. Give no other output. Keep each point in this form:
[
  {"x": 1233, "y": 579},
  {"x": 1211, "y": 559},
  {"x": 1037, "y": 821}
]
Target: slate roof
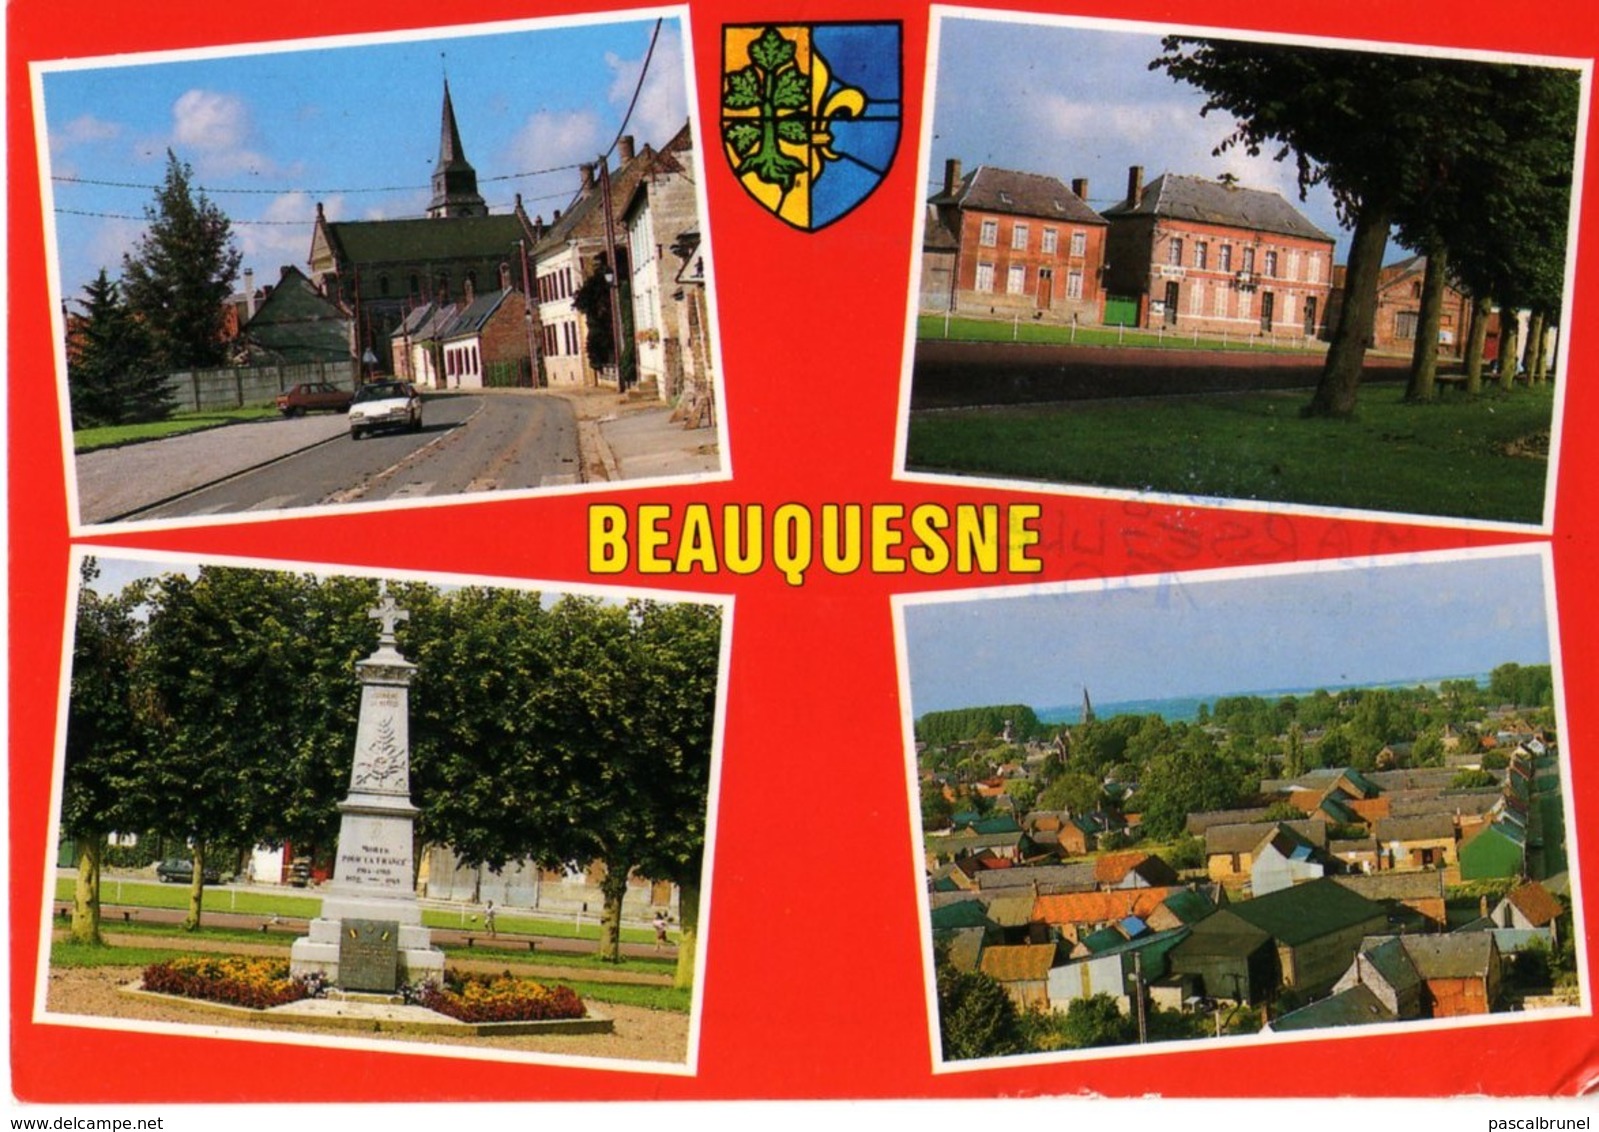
[
  {"x": 1018, "y": 962},
  {"x": 1078, "y": 877},
  {"x": 991, "y": 189},
  {"x": 1421, "y": 827},
  {"x": 1388, "y": 957},
  {"x": 1411, "y": 803},
  {"x": 1356, "y": 1006},
  {"x": 368, "y": 242},
  {"x": 936, "y": 237},
  {"x": 295, "y": 322},
  {"x": 1454, "y": 956},
  {"x": 1244, "y": 838},
  {"x": 472, "y": 318},
  {"x": 1307, "y": 911},
  {"x": 1198, "y": 823},
  {"x": 585, "y": 215},
  {"x": 1180, "y": 197},
  {"x": 1422, "y": 885}
]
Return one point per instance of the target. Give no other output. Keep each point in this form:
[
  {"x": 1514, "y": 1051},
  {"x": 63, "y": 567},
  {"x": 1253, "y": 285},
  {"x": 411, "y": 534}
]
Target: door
[
  {"x": 1310, "y": 316},
  {"x": 1171, "y": 302},
  {"x": 1046, "y": 287},
  {"x": 1266, "y": 306}
]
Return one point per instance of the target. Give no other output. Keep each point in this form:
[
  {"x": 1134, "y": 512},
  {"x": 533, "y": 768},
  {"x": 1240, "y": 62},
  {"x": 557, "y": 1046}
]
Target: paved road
[{"x": 469, "y": 443}]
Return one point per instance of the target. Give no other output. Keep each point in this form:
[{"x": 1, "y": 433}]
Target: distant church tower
[
  {"x": 1088, "y": 708},
  {"x": 454, "y": 180}
]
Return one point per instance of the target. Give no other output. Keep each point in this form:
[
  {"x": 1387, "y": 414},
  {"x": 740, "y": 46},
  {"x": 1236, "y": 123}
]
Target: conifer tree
[{"x": 109, "y": 374}]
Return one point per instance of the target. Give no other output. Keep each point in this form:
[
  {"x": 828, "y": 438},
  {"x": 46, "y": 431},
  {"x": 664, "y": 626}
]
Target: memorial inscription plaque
[{"x": 369, "y": 955}]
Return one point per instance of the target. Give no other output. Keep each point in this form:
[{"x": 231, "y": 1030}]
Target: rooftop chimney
[
  {"x": 249, "y": 294},
  {"x": 624, "y": 148},
  {"x": 1135, "y": 186},
  {"x": 587, "y": 172},
  {"x": 1080, "y": 189},
  {"x": 952, "y": 175}
]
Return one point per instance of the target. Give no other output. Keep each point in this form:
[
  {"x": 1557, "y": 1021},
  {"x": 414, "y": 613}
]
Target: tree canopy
[{"x": 110, "y": 378}]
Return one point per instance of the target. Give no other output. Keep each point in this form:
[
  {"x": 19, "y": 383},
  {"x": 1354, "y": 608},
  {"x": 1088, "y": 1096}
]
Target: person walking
[
  {"x": 660, "y": 930},
  {"x": 488, "y": 918}
]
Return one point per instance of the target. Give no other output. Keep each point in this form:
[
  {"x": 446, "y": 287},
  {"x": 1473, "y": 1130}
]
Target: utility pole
[
  {"x": 1138, "y": 990},
  {"x": 616, "y": 277}
]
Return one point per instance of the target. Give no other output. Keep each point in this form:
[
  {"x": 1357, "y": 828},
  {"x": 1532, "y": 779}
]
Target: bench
[{"x": 532, "y": 944}]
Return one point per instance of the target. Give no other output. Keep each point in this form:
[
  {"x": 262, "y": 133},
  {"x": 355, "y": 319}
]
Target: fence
[{"x": 234, "y": 387}]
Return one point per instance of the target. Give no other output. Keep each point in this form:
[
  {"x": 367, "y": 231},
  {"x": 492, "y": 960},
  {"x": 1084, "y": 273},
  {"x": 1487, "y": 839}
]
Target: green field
[
  {"x": 1477, "y": 458},
  {"x": 931, "y": 327},
  {"x": 111, "y": 436}
]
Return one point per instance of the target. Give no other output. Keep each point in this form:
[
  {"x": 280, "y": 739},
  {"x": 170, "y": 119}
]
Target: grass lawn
[
  {"x": 932, "y": 326},
  {"x": 110, "y": 436},
  {"x": 145, "y": 894},
  {"x": 1455, "y": 457},
  {"x": 471, "y": 920}
]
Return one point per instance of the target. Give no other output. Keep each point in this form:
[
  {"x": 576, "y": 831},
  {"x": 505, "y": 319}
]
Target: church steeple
[{"x": 454, "y": 180}]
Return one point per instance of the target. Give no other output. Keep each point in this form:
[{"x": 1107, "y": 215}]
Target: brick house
[
  {"x": 662, "y": 210},
  {"x": 487, "y": 343},
  {"x": 1025, "y": 245},
  {"x": 1399, "y": 312},
  {"x": 1213, "y": 257}
]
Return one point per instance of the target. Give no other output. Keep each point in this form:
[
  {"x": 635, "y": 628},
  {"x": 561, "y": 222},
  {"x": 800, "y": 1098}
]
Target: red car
[{"x": 309, "y": 395}]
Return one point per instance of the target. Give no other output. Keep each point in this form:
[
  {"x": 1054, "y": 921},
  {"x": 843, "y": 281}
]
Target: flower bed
[
  {"x": 498, "y": 998},
  {"x": 235, "y": 980}
]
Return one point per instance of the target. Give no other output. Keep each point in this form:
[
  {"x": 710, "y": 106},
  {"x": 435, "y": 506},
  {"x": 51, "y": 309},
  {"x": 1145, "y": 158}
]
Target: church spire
[{"x": 454, "y": 180}]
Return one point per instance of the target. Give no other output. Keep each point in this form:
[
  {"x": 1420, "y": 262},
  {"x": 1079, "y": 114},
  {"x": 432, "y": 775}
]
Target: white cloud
[
  {"x": 83, "y": 130},
  {"x": 111, "y": 239},
  {"x": 286, "y": 238},
  {"x": 662, "y": 107},
  {"x": 549, "y": 138},
  {"x": 212, "y": 131}
]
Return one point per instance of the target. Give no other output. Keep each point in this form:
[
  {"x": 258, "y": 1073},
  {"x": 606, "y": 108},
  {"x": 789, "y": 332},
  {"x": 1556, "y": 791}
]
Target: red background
[{"x": 814, "y": 982}]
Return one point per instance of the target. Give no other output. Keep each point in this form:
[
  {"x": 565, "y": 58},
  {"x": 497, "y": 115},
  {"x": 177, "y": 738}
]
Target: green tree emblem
[{"x": 774, "y": 86}]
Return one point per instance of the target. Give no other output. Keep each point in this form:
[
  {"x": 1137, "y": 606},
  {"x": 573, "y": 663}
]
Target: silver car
[{"x": 385, "y": 404}]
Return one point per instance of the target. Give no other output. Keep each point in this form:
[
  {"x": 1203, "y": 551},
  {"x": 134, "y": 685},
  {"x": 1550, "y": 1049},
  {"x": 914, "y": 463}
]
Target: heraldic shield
[{"x": 811, "y": 114}]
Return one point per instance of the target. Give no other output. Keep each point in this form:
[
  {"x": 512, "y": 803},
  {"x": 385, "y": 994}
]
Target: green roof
[
  {"x": 1189, "y": 906},
  {"x": 961, "y": 914},
  {"x": 1357, "y": 1006},
  {"x": 420, "y": 241},
  {"x": 1307, "y": 911},
  {"x": 297, "y": 323}
]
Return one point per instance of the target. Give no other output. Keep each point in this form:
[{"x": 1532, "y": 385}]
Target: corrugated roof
[
  {"x": 991, "y": 189},
  {"x": 1307, "y": 911},
  {"x": 1202, "y": 201}
]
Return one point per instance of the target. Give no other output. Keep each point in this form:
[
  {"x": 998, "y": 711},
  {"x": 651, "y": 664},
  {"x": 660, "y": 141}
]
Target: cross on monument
[{"x": 387, "y": 614}]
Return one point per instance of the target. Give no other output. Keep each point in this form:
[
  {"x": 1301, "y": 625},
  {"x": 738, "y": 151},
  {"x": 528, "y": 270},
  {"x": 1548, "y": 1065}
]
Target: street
[{"x": 468, "y": 443}]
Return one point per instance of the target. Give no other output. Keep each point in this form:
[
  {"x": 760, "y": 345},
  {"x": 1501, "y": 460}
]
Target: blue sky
[
  {"x": 353, "y": 126},
  {"x": 1081, "y": 102},
  {"x": 1368, "y": 625}
]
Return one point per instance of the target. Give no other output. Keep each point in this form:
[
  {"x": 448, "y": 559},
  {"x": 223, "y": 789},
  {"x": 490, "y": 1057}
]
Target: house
[
  {"x": 1460, "y": 972},
  {"x": 1228, "y": 958},
  {"x": 1111, "y": 971},
  {"x": 1358, "y": 1005},
  {"x": 294, "y": 322},
  {"x": 1426, "y": 841},
  {"x": 1041, "y": 879},
  {"x": 1026, "y": 245},
  {"x": 1496, "y": 849},
  {"x": 1316, "y": 927},
  {"x": 1284, "y": 858},
  {"x": 1132, "y": 869},
  {"x": 1399, "y": 312},
  {"x": 1023, "y": 970},
  {"x": 663, "y": 206},
  {"x": 571, "y": 251},
  {"x": 381, "y": 269},
  {"x": 1215, "y": 258},
  {"x": 1075, "y": 915},
  {"x": 1420, "y": 892},
  {"x": 1532, "y": 908},
  {"x": 1184, "y": 907},
  {"x": 1356, "y": 854},
  {"x": 487, "y": 342},
  {"x": 940, "y": 249},
  {"x": 1230, "y": 849}
]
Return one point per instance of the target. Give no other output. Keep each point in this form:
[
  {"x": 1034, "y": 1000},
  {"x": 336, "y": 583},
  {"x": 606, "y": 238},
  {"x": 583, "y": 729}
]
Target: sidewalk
[{"x": 632, "y": 436}]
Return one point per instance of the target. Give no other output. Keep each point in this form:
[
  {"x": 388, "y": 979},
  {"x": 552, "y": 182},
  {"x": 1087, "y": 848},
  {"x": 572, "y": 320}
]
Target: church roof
[{"x": 423, "y": 240}]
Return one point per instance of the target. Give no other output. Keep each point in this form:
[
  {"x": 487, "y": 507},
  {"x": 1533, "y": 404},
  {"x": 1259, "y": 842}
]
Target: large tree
[
  {"x": 99, "y": 795},
  {"x": 110, "y": 378},
  {"x": 1388, "y": 134},
  {"x": 179, "y": 276}
]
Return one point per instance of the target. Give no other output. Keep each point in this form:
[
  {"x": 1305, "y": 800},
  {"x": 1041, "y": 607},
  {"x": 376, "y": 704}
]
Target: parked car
[
  {"x": 313, "y": 395},
  {"x": 385, "y": 404},
  {"x": 180, "y": 870}
]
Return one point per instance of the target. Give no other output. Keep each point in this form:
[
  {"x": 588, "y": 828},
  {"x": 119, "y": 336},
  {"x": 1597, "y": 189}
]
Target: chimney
[
  {"x": 468, "y": 292},
  {"x": 249, "y": 293},
  {"x": 624, "y": 148},
  {"x": 952, "y": 175},
  {"x": 587, "y": 184},
  {"x": 1080, "y": 189},
  {"x": 1135, "y": 186},
  {"x": 505, "y": 277}
]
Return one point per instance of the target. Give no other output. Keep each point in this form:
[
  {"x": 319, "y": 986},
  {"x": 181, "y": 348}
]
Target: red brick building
[
  {"x": 1399, "y": 312},
  {"x": 1024, "y": 244},
  {"x": 1212, "y": 257}
]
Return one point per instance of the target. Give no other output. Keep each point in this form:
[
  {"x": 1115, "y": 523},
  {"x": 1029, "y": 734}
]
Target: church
[{"x": 381, "y": 269}]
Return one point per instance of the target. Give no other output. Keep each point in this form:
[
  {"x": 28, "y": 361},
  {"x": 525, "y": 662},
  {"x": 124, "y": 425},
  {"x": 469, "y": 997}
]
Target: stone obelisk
[{"x": 370, "y": 937}]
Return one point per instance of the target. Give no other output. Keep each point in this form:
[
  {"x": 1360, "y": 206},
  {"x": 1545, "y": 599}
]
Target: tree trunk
[
  {"x": 1340, "y": 376},
  {"x": 613, "y": 888},
  {"x": 1424, "y": 359},
  {"x": 1482, "y": 310},
  {"x": 1509, "y": 348},
  {"x": 1535, "y": 344},
  {"x": 191, "y": 922},
  {"x": 688, "y": 916},
  {"x": 86, "y": 893}
]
